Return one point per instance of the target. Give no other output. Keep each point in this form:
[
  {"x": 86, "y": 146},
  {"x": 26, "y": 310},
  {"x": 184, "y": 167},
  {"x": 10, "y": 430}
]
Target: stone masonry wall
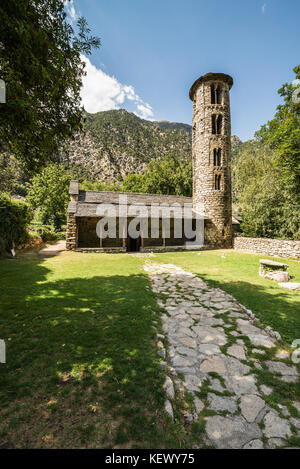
[
  {"x": 72, "y": 233},
  {"x": 217, "y": 203},
  {"x": 270, "y": 247}
]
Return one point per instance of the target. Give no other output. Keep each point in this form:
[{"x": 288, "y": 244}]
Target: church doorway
[{"x": 134, "y": 245}]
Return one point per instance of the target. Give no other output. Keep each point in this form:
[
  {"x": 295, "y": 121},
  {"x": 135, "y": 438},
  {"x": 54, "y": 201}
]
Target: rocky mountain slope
[{"x": 116, "y": 143}]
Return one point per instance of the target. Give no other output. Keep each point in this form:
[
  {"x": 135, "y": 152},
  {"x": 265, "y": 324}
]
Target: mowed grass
[
  {"x": 82, "y": 365},
  {"x": 237, "y": 273}
]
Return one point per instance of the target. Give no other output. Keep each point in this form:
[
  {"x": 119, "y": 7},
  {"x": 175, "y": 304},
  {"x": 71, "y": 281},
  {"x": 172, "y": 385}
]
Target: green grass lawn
[
  {"x": 82, "y": 365},
  {"x": 237, "y": 273}
]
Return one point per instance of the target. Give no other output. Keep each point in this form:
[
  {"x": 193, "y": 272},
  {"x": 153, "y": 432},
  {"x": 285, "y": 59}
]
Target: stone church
[{"x": 211, "y": 133}]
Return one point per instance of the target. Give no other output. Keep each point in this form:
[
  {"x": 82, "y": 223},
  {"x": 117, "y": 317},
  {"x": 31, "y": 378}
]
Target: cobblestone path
[{"x": 241, "y": 382}]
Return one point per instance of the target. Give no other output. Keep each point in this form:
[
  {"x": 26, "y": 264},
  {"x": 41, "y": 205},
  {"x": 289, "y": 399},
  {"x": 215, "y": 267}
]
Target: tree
[
  {"x": 258, "y": 191},
  {"x": 266, "y": 173},
  {"x": 282, "y": 135},
  {"x": 172, "y": 175},
  {"x": 48, "y": 192},
  {"x": 133, "y": 183},
  {"x": 12, "y": 175},
  {"x": 40, "y": 62}
]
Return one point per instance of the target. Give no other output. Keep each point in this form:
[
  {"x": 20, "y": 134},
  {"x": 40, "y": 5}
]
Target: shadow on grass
[
  {"x": 278, "y": 309},
  {"x": 81, "y": 338}
]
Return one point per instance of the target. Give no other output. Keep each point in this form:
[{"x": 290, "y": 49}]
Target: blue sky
[{"x": 153, "y": 50}]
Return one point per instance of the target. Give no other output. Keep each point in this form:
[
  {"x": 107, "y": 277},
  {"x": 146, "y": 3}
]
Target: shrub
[
  {"x": 15, "y": 216},
  {"x": 49, "y": 235}
]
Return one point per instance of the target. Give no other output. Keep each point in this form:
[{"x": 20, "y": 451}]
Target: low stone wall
[
  {"x": 270, "y": 247},
  {"x": 170, "y": 248}
]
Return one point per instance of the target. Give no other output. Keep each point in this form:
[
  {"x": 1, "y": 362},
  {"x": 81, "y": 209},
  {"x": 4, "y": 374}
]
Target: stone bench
[{"x": 273, "y": 270}]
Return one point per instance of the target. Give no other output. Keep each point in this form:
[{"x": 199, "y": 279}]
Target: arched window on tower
[
  {"x": 217, "y": 156},
  {"x": 214, "y": 124},
  {"x": 217, "y": 182},
  {"x": 213, "y": 94},
  {"x": 216, "y": 94},
  {"x": 219, "y": 125}
]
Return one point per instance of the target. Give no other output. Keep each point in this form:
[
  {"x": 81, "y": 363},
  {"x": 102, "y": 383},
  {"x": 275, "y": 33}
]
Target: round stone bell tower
[{"x": 211, "y": 156}]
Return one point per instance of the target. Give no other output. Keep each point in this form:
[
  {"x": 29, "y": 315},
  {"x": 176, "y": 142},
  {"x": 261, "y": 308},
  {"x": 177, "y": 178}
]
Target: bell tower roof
[{"x": 210, "y": 77}]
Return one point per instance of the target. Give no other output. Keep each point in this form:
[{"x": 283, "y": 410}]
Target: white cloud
[
  {"x": 129, "y": 90},
  {"x": 70, "y": 9},
  {"x": 101, "y": 92},
  {"x": 144, "y": 111},
  {"x": 263, "y": 8}
]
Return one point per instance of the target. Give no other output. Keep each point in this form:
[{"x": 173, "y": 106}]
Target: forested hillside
[
  {"x": 116, "y": 143},
  {"x": 111, "y": 146}
]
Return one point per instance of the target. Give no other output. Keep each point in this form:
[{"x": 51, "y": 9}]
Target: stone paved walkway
[{"x": 214, "y": 343}]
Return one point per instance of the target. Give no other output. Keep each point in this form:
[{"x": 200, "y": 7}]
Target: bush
[
  {"x": 15, "y": 216},
  {"x": 49, "y": 235},
  {"x": 33, "y": 241},
  {"x": 108, "y": 186}
]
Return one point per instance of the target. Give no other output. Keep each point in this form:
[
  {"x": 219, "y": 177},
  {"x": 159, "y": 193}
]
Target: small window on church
[
  {"x": 217, "y": 182},
  {"x": 217, "y": 156}
]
